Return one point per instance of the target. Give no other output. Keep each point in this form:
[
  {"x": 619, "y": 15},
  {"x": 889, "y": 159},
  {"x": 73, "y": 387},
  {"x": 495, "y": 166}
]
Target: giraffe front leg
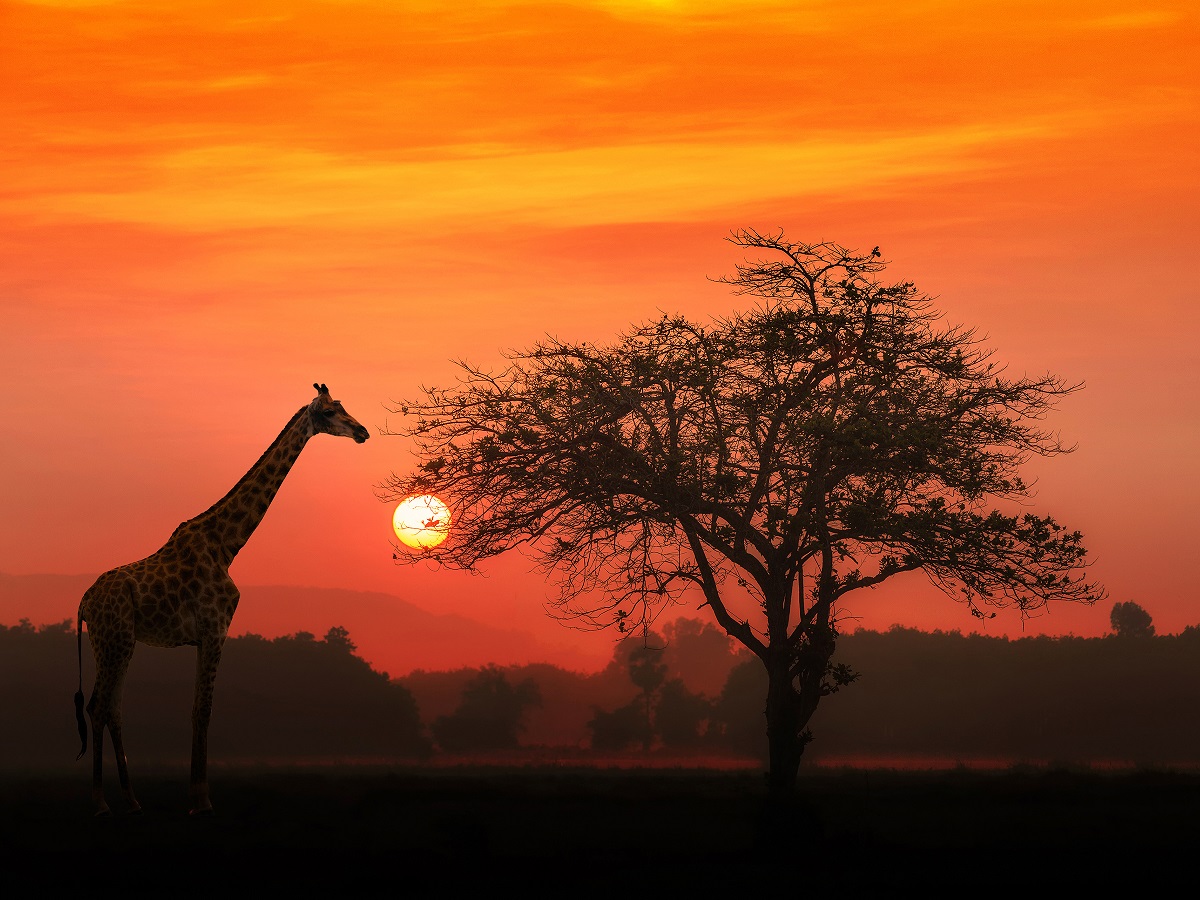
[{"x": 208, "y": 656}]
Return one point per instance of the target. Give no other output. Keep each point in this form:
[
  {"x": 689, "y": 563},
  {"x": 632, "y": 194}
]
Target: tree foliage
[
  {"x": 620, "y": 728},
  {"x": 1129, "y": 619},
  {"x": 700, "y": 653},
  {"x": 833, "y": 435},
  {"x": 490, "y": 714},
  {"x": 680, "y": 715},
  {"x": 666, "y": 711}
]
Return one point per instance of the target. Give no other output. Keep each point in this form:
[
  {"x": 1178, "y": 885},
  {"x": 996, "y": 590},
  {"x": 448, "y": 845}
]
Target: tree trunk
[
  {"x": 784, "y": 741},
  {"x": 791, "y": 701},
  {"x": 786, "y": 819},
  {"x": 648, "y": 734}
]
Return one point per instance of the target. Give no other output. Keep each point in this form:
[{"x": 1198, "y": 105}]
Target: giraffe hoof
[
  {"x": 105, "y": 813},
  {"x": 200, "y": 813},
  {"x": 136, "y": 811}
]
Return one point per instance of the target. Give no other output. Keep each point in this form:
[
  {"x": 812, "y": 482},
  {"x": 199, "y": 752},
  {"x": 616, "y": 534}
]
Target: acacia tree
[{"x": 832, "y": 436}]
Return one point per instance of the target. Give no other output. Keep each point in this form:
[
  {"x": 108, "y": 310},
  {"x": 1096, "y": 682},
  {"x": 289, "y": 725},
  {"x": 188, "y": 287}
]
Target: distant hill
[{"x": 393, "y": 635}]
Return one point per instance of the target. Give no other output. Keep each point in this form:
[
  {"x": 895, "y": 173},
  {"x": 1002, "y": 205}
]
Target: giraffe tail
[{"x": 79, "y": 720}]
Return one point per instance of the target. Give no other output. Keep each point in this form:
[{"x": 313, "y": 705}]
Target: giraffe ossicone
[{"x": 182, "y": 595}]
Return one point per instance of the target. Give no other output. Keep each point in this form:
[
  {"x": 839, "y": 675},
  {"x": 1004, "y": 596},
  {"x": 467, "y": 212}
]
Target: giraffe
[{"x": 182, "y": 595}]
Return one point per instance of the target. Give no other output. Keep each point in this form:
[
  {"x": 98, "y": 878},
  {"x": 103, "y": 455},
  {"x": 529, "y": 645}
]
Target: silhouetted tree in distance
[
  {"x": 300, "y": 696},
  {"x": 700, "y": 653},
  {"x": 1128, "y": 619},
  {"x": 667, "y": 709},
  {"x": 339, "y": 637},
  {"x": 737, "y": 714},
  {"x": 836, "y": 434},
  {"x": 490, "y": 714},
  {"x": 681, "y": 715},
  {"x": 618, "y": 729},
  {"x": 647, "y": 672},
  {"x": 640, "y": 658}
]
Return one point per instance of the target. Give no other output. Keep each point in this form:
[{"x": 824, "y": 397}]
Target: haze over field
[{"x": 206, "y": 210}]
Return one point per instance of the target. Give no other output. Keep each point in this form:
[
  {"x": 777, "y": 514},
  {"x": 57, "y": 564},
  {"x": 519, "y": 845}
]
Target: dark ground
[{"x": 566, "y": 832}]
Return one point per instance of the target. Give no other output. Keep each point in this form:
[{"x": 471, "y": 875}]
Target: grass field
[{"x": 559, "y": 831}]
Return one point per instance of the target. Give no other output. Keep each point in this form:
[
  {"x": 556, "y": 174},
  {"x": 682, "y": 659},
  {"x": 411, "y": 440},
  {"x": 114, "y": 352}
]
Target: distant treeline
[
  {"x": 944, "y": 694},
  {"x": 1121, "y": 698},
  {"x": 294, "y": 697}
]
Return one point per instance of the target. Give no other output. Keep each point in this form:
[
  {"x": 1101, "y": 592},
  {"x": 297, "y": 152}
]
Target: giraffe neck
[{"x": 229, "y": 522}]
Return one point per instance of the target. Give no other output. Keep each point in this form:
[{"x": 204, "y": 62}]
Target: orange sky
[{"x": 207, "y": 206}]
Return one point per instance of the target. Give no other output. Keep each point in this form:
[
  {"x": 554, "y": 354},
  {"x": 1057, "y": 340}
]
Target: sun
[{"x": 421, "y": 522}]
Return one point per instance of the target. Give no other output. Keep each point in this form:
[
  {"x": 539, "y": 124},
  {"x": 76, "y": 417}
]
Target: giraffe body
[{"x": 182, "y": 595}]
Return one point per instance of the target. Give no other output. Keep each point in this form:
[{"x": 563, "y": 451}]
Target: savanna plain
[{"x": 550, "y": 830}]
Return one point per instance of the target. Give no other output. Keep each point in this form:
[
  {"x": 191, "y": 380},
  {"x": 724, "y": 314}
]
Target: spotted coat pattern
[{"x": 182, "y": 595}]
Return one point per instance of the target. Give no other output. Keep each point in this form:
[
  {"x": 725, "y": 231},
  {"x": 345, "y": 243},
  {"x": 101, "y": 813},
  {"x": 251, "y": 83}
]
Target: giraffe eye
[{"x": 328, "y": 413}]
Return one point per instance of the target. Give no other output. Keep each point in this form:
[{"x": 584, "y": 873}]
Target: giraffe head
[{"x": 329, "y": 417}]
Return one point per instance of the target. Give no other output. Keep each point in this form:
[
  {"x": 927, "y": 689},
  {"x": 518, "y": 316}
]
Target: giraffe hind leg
[
  {"x": 114, "y": 732},
  {"x": 98, "y": 726},
  {"x": 112, "y": 662}
]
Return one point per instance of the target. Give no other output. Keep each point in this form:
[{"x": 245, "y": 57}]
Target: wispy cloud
[
  {"x": 238, "y": 186},
  {"x": 1134, "y": 19}
]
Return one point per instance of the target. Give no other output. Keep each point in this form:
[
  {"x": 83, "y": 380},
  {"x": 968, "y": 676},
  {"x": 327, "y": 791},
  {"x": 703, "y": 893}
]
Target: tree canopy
[
  {"x": 490, "y": 714},
  {"x": 834, "y": 434},
  {"x": 1129, "y": 619}
]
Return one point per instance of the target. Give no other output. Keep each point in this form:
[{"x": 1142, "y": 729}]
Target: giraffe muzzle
[{"x": 361, "y": 434}]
